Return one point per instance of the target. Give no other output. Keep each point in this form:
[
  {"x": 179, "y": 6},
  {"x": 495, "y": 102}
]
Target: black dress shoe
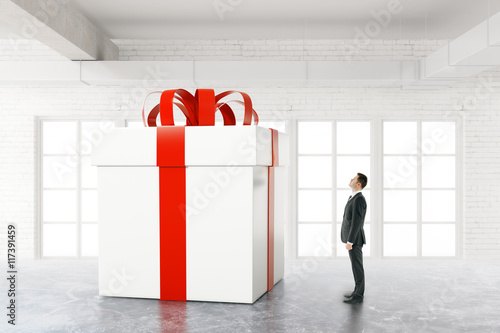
[
  {"x": 348, "y": 295},
  {"x": 354, "y": 300}
]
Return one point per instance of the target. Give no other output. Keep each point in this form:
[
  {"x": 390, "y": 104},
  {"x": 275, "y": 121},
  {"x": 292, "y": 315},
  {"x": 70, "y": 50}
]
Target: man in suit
[{"x": 353, "y": 235}]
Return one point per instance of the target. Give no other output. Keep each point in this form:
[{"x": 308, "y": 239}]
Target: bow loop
[{"x": 199, "y": 109}]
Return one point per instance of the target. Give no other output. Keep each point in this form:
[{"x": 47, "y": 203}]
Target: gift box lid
[{"x": 203, "y": 146}]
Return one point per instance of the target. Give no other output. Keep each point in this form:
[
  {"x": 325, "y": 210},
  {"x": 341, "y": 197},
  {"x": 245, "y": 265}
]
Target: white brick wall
[
  {"x": 20, "y": 106},
  {"x": 320, "y": 49},
  {"x": 27, "y": 49}
]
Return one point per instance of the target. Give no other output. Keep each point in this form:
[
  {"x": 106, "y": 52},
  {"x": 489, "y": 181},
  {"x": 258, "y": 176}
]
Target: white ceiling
[
  {"x": 280, "y": 19},
  {"x": 283, "y": 19}
]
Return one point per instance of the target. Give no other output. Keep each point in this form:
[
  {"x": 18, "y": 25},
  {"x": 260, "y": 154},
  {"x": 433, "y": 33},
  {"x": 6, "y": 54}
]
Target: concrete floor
[{"x": 401, "y": 296}]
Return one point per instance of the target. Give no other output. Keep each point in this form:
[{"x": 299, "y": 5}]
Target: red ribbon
[
  {"x": 170, "y": 151},
  {"x": 270, "y": 212},
  {"x": 199, "y": 109}
]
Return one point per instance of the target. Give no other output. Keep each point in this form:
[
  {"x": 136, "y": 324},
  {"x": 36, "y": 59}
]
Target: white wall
[
  {"x": 477, "y": 100},
  {"x": 332, "y": 49},
  {"x": 27, "y": 49}
]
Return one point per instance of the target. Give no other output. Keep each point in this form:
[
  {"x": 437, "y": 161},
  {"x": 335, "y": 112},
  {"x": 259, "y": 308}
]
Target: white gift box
[{"x": 227, "y": 174}]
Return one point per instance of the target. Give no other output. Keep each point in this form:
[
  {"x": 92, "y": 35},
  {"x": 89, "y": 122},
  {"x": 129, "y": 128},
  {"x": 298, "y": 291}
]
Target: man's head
[{"x": 358, "y": 182}]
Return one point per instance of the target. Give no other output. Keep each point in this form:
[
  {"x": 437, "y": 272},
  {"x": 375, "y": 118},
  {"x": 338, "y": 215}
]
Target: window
[
  {"x": 329, "y": 156},
  {"x": 353, "y": 156},
  {"x": 69, "y": 187},
  {"x": 413, "y": 178},
  {"x": 419, "y": 193}
]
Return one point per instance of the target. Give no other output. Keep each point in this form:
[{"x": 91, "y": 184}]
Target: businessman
[{"x": 353, "y": 235}]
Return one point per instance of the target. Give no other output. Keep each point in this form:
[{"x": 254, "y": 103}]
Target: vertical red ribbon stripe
[
  {"x": 270, "y": 211},
  {"x": 270, "y": 229},
  {"x": 170, "y": 151}
]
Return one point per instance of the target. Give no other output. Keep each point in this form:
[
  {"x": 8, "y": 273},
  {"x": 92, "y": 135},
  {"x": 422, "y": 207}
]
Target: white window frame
[
  {"x": 39, "y": 183},
  {"x": 376, "y": 185},
  {"x": 458, "y": 187},
  {"x": 334, "y": 186}
]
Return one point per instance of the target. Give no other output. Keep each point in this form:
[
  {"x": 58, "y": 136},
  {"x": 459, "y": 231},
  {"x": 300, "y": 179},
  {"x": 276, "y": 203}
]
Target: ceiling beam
[
  {"x": 56, "y": 24},
  {"x": 154, "y": 75}
]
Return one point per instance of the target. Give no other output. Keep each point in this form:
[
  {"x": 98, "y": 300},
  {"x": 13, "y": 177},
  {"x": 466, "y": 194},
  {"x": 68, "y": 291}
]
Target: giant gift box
[{"x": 192, "y": 212}]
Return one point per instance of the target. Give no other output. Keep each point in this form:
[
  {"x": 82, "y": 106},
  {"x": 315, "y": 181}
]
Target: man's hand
[{"x": 348, "y": 246}]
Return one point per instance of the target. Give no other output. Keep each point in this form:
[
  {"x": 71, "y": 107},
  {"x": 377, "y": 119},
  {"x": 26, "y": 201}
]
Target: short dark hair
[{"x": 362, "y": 179}]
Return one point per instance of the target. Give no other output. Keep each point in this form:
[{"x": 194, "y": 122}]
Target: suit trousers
[{"x": 356, "y": 256}]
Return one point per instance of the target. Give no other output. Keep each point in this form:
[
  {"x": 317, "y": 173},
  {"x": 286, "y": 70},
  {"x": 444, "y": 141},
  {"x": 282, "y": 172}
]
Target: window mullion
[
  {"x": 334, "y": 189},
  {"x": 376, "y": 198},
  {"x": 419, "y": 189},
  {"x": 295, "y": 200},
  {"x": 79, "y": 189},
  {"x": 39, "y": 173},
  {"x": 459, "y": 239}
]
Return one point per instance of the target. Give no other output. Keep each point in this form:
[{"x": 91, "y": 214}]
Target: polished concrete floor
[{"x": 401, "y": 296}]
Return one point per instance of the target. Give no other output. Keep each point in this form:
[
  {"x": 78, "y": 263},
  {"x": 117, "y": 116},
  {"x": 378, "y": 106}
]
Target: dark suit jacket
[{"x": 354, "y": 220}]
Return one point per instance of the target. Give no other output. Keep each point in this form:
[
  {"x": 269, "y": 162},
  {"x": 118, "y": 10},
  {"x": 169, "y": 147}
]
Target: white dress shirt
[{"x": 354, "y": 193}]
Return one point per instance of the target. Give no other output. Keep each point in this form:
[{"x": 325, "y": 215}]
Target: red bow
[{"x": 199, "y": 109}]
